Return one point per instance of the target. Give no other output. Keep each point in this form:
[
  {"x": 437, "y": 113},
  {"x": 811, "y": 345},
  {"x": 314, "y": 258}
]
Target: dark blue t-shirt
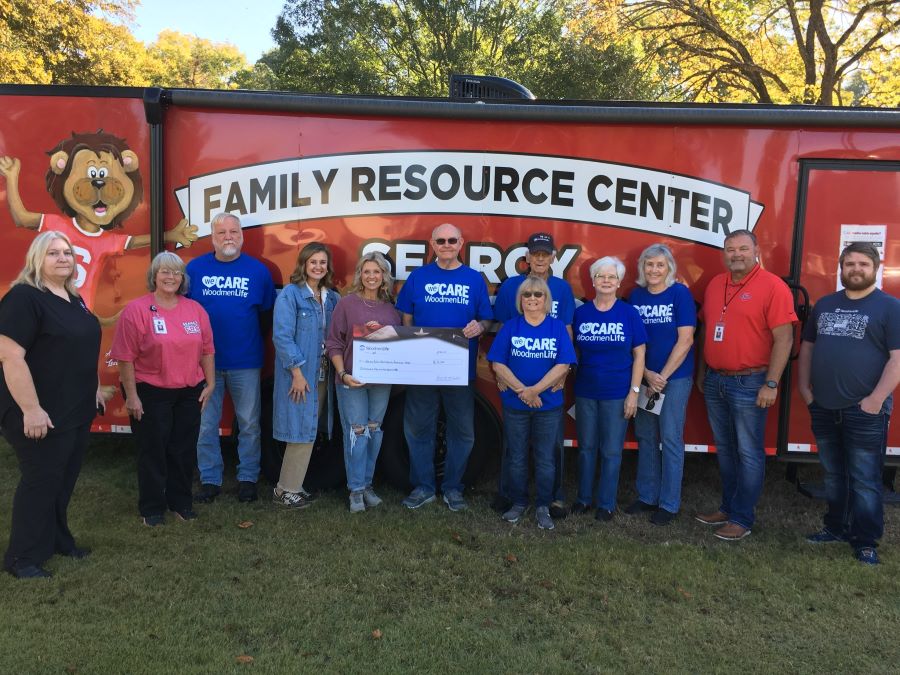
[
  {"x": 233, "y": 294},
  {"x": 529, "y": 352},
  {"x": 853, "y": 340},
  {"x": 663, "y": 314},
  {"x": 563, "y": 307},
  {"x": 446, "y": 299},
  {"x": 604, "y": 341}
]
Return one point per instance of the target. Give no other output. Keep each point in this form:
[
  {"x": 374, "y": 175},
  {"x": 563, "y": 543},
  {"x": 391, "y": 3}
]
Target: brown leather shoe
[
  {"x": 732, "y": 532},
  {"x": 714, "y": 518}
]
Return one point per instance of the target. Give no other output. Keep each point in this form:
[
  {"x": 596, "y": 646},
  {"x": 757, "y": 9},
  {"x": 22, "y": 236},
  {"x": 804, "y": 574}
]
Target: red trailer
[{"x": 380, "y": 173}]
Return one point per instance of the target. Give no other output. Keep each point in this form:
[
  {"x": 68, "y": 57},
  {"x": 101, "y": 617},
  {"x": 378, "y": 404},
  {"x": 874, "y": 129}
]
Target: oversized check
[{"x": 410, "y": 355}]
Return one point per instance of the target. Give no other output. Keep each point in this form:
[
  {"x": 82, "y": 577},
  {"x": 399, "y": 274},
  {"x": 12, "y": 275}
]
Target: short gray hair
[
  {"x": 609, "y": 261},
  {"x": 653, "y": 251},
  {"x": 533, "y": 283},
  {"x": 222, "y": 216},
  {"x": 170, "y": 261}
]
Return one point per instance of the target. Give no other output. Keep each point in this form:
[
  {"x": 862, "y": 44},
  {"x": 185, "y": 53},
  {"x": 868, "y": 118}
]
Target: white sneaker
[
  {"x": 357, "y": 504},
  {"x": 289, "y": 500},
  {"x": 370, "y": 498}
]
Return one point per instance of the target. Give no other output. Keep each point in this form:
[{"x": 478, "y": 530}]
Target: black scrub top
[{"x": 62, "y": 344}]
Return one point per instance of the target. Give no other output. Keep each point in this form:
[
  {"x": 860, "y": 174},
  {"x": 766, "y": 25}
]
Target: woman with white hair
[
  {"x": 610, "y": 339},
  {"x": 49, "y": 345},
  {"x": 670, "y": 317},
  {"x": 164, "y": 346}
]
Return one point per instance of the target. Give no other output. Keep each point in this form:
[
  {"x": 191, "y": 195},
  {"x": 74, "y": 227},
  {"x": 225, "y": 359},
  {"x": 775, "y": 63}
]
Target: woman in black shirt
[{"x": 49, "y": 346}]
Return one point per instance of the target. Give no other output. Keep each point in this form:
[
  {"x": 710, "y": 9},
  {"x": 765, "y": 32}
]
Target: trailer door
[{"x": 840, "y": 202}]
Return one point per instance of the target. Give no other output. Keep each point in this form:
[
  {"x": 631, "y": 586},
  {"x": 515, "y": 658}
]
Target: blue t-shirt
[
  {"x": 446, "y": 299},
  {"x": 663, "y": 314},
  {"x": 563, "y": 307},
  {"x": 233, "y": 294},
  {"x": 604, "y": 341},
  {"x": 529, "y": 352},
  {"x": 853, "y": 340}
]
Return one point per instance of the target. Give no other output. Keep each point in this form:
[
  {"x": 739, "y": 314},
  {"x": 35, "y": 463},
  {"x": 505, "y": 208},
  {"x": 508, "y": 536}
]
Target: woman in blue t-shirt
[
  {"x": 609, "y": 337},
  {"x": 670, "y": 316},
  {"x": 530, "y": 353}
]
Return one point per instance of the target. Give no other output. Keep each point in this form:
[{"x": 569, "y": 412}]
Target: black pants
[
  {"x": 49, "y": 468},
  {"x": 166, "y": 436}
]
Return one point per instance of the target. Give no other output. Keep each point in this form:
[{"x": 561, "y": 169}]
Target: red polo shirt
[{"x": 756, "y": 305}]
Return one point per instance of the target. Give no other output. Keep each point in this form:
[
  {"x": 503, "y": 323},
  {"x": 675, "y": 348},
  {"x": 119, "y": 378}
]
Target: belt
[{"x": 736, "y": 373}]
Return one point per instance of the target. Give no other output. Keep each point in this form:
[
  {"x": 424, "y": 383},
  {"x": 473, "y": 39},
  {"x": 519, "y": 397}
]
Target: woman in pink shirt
[{"x": 164, "y": 347}]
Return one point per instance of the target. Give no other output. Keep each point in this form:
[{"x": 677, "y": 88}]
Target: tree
[
  {"x": 773, "y": 51},
  {"x": 75, "y": 42},
  {"x": 411, "y": 47},
  {"x": 180, "y": 60}
]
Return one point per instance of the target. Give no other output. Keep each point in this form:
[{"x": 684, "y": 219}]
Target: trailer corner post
[{"x": 153, "y": 111}]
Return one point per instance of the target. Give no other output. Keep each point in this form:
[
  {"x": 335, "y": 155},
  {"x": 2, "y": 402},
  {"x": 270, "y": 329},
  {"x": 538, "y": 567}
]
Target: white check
[{"x": 411, "y": 355}]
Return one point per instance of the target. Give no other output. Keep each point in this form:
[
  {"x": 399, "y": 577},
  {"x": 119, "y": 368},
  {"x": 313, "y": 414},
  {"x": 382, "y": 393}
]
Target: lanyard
[{"x": 726, "y": 300}]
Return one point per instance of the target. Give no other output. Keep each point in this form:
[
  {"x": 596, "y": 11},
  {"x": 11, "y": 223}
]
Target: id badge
[
  {"x": 159, "y": 326},
  {"x": 719, "y": 332}
]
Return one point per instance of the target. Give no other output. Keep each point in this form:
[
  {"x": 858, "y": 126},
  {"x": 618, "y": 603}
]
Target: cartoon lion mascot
[{"x": 95, "y": 181}]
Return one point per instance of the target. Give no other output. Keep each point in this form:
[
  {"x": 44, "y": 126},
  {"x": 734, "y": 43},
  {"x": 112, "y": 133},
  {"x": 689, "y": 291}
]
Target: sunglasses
[
  {"x": 652, "y": 399},
  {"x": 453, "y": 241},
  {"x": 532, "y": 294}
]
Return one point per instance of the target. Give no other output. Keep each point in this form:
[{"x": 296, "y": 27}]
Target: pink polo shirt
[{"x": 165, "y": 345}]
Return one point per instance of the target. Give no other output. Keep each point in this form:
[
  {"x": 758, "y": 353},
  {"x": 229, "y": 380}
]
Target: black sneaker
[
  {"x": 578, "y": 509},
  {"x": 155, "y": 520},
  {"x": 247, "y": 491},
  {"x": 558, "y": 510},
  {"x": 603, "y": 515},
  {"x": 28, "y": 572},
  {"x": 637, "y": 506},
  {"x": 76, "y": 553},
  {"x": 207, "y": 494},
  {"x": 662, "y": 517}
]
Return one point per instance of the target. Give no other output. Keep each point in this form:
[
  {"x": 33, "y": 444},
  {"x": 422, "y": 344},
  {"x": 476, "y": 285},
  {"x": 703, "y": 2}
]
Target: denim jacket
[{"x": 299, "y": 333}]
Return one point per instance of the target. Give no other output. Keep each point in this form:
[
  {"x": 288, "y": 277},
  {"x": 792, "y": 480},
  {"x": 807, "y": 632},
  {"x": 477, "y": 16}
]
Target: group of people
[{"x": 200, "y": 331}]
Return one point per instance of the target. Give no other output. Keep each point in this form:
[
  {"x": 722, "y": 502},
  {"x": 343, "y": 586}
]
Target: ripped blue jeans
[{"x": 362, "y": 411}]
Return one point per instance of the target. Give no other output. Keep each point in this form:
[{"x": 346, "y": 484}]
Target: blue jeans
[
  {"x": 559, "y": 457},
  {"x": 661, "y": 448},
  {"x": 362, "y": 411},
  {"x": 852, "y": 445},
  {"x": 243, "y": 385},
  {"x": 535, "y": 429},
  {"x": 420, "y": 425},
  {"x": 601, "y": 424},
  {"x": 738, "y": 427}
]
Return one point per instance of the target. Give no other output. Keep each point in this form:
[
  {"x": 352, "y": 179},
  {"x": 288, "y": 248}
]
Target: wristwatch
[
  {"x": 636, "y": 390},
  {"x": 771, "y": 384}
]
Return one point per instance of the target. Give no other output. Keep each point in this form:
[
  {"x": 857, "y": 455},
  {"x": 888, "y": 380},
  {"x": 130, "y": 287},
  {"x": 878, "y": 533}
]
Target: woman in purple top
[
  {"x": 369, "y": 303},
  {"x": 670, "y": 316}
]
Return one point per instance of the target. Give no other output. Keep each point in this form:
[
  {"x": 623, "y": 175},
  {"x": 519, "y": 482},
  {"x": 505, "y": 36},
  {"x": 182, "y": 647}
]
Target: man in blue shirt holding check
[{"x": 445, "y": 293}]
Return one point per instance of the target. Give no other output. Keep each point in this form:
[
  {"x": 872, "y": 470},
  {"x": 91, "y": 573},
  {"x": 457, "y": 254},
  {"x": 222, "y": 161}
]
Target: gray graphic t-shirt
[{"x": 853, "y": 340}]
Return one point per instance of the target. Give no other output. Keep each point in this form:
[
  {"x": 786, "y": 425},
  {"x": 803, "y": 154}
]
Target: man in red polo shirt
[{"x": 748, "y": 333}]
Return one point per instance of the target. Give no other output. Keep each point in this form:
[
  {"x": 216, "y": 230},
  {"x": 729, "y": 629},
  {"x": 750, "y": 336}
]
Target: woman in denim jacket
[{"x": 303, "y": 384}]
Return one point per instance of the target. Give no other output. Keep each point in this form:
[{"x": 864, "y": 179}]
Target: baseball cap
[{"x": 540, "y": 241}]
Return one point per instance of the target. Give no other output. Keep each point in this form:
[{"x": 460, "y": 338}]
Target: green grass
[{"x": 304, "y": 591}]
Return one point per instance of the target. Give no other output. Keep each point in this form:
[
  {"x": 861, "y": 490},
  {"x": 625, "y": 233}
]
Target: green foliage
[
  {"x": 179, "y": 60},
  {"x": 770, "y": 51},
  {"x": 410, "y": 47}
]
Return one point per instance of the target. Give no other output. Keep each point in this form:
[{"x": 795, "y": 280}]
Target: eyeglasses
[
  {"x": 532, "y": 294},
  {"x": 453, "y": 241},
  {"x": 652, "y": 399},
  {"x": 606, "y": 277},
  {"x": 171, "y": 273}
]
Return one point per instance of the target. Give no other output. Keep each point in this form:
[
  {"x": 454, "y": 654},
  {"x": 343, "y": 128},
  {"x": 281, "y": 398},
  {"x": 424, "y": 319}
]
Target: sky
[{"x": 246, "y": 24}]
